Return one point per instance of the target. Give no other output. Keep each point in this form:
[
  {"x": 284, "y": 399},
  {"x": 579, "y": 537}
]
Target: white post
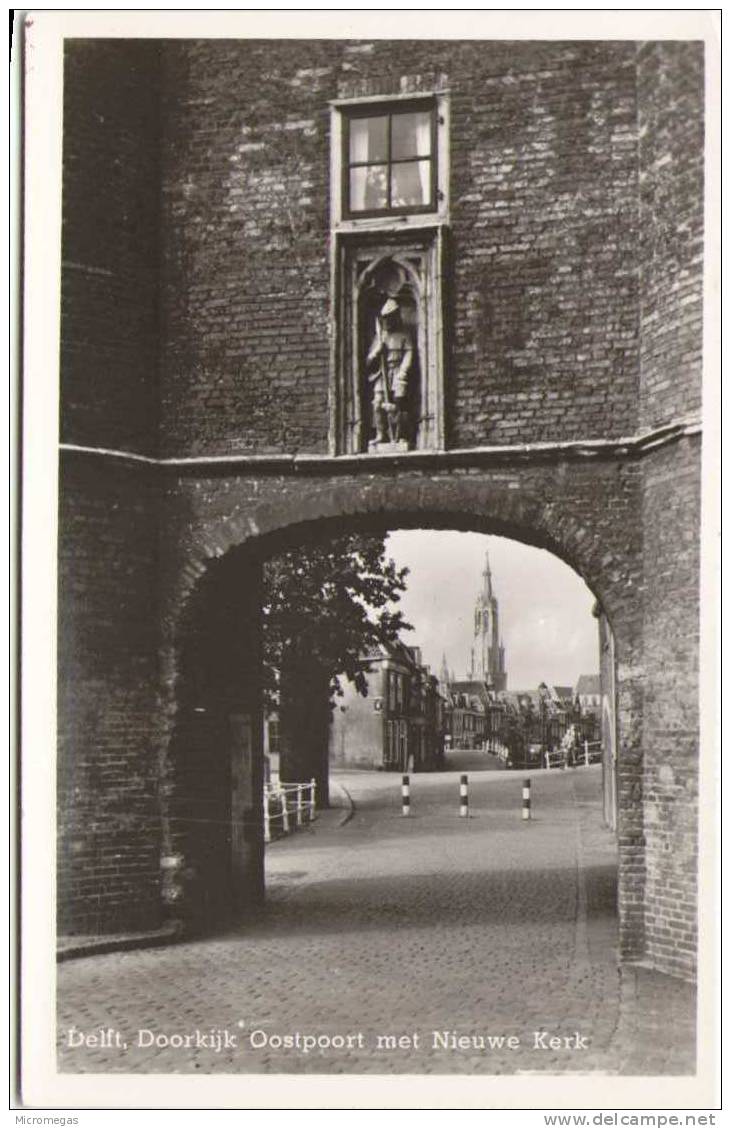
[
  {"x": 313, "y": 797},
  {"x": 299, "y": 804},
  {"x": 526, "y": 798},
  {"x": 267, "y": 827},
  {"x": 463, "y": 797},
  {"x": 586, "y": 754},
  {"x": 285, "y": 813},
  {"x": 548, "y": 759}
]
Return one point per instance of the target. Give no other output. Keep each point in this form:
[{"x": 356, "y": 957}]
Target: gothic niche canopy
[{"x": 390, "y": 373}]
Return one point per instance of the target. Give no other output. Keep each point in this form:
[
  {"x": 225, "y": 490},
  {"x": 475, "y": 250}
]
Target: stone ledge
[{"x": 579, "y": 450}]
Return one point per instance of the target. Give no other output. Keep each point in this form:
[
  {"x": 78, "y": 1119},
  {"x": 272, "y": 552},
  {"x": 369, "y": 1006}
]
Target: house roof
[
  {"x": 467, "y": 686},
  {"x": 518, "y": 698},
  {"x": 589, "y": 684}
]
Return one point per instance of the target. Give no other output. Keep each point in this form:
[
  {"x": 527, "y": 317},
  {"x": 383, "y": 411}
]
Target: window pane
[
  {"x": 411, "y": 184},
  {"x": 368, "y": 139},
  {"x": 368, "y": 188},
  {"x": 411, "y": 136}
]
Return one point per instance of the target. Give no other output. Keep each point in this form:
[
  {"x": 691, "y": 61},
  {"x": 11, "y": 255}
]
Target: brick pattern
[
  {"x": 485, "y": 890},
  {"x": 545, "y": 227},
  {"x": 670, "y": 722},
  {"x": 670, "y": 86},
  {"x": 544, "y": 299},
  {"x": 109, "y": 832},
  {"x": 109, "y": 279},
  {"x": 246, "y": 273}
]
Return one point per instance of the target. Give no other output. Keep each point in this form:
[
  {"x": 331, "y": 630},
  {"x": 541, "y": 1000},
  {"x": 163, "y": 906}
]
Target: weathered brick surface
[
  {"x": 109, "y": 338},
  {"x": 109, "y": 831},
  {"x": 245, "y": 204},
  {"x": 544, "y": 301},
  {"x": 572, "y": 314},
  {"x": 671, "y": 507},
  {"x": 670, "y": 89}
]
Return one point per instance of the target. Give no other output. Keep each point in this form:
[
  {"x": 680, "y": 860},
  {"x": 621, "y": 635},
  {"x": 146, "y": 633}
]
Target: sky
[{"x": 545, "y": 608}]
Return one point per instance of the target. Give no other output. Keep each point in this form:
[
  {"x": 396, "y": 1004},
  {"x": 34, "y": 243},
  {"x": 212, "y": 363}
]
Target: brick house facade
[
  {"x": 399, "y": 725},
  {"x": 217, "y": 290}
]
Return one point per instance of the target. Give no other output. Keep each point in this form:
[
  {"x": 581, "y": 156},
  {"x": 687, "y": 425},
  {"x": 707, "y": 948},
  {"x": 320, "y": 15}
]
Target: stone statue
[{"x": 392, "y": 352}]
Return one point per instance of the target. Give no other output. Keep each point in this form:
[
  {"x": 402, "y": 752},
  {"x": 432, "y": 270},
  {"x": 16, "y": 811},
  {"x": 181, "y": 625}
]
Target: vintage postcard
[{"x": 369, "y": 496}]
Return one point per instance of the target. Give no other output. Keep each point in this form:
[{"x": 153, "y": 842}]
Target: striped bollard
[
  {"x": 526, "y": 798},
  {"x": 267, "y": 828},
  {"x": 463, "y": 800},
  {"x": 405, "y": 796}
]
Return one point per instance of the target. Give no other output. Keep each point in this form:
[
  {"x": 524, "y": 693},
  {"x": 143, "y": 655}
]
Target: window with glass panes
[{"x": 390, "y": 160}]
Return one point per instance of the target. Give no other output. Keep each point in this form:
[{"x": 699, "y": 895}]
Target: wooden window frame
[
  {"x": 389, "y": 110},
  {"x": 341, "y": 110}
]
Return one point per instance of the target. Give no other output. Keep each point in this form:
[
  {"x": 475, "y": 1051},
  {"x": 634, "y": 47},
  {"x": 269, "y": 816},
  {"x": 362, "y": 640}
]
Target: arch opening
[{"x": 221, "y": 744}]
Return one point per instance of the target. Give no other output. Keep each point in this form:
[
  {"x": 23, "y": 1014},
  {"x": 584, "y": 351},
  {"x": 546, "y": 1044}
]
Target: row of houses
[
  {"x": 410, "y": 718},
  {"x": 496, "y": 719}
]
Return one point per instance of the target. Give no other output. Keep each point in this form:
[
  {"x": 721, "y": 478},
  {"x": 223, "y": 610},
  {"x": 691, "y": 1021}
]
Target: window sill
[{"x": 390, "y": 224}]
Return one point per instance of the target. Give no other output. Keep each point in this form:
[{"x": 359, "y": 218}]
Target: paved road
[
  {"x": 432, "y": 944},
  {"x": 472, "y": 760}
]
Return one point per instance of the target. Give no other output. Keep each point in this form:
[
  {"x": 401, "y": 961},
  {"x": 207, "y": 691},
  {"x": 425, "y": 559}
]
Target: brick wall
[
  {"x": 246, "y": 272},
  {"x": 670, "y": 706},
  {"x": 670, "y": 86},
  {"x": 544, "y": 301},
  {"x": 109, "y": 339},
  {"x": 109, "y": 832}
]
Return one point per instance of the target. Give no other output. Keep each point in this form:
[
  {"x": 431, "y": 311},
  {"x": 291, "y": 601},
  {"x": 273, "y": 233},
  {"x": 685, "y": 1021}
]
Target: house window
[{"x": 390, "y": 160}]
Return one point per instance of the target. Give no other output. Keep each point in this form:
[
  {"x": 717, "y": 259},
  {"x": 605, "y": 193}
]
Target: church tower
[
  {"x": 444, "y": 676},
  {"x": 488, "y": 654}
]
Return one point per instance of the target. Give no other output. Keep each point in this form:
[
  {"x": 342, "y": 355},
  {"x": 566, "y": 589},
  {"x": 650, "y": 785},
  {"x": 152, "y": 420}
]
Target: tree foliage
[{"x": 325, "y": 606}]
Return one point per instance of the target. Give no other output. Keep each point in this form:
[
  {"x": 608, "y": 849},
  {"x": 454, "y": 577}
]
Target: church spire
[
  {"x": 487, "y": 579},
  {"x": 487, "y": 658}
]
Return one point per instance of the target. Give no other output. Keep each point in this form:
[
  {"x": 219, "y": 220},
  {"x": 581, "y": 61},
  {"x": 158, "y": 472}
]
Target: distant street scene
[{"x": 503, "y": 658}]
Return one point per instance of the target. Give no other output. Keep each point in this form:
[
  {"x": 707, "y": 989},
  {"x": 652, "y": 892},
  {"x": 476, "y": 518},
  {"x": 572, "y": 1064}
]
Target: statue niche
[{"x": 388, "y": 309}]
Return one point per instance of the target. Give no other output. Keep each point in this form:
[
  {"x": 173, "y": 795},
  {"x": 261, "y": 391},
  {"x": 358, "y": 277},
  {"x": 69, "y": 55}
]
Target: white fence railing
[
  {"x": 287, "y": 807},
  {"x": 589, "y": 752}
]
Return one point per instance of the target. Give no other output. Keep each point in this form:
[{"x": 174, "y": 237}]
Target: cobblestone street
[{"x": 420, "y": 945}]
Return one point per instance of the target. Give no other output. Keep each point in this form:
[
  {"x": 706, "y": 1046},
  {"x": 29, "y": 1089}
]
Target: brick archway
[
  {"x": 225, "y": 530},
  {"x": 229, "y": 518}
]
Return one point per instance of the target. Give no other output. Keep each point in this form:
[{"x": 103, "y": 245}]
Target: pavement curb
[
  {"x": 349, "y": 803},
  {"x": 70, "y": 948}
]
